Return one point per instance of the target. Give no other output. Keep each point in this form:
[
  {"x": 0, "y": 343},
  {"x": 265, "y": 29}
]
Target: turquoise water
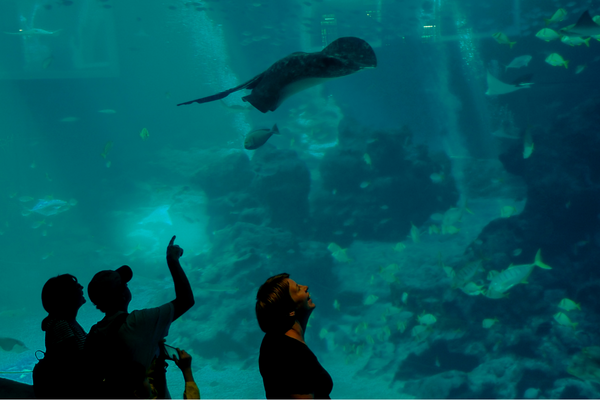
[{"x": 382, "y": 192}]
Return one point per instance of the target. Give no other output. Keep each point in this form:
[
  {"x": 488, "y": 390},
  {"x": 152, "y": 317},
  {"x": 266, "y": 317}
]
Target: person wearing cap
[
  {"x": 288, "y": 367},
  {"x": 141, "y": 331},
  {"x": 62, "y": 296}
]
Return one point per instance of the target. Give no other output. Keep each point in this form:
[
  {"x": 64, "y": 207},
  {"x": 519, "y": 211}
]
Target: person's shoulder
[{"x": 150, "y": 313}]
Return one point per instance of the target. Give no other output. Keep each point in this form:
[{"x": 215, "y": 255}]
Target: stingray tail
[
  {"x": 275, "y": 129},
  {"x": 251, "y": 84}
]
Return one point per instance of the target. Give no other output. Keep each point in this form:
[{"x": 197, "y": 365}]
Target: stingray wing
[{"x": 251, "y": 84}]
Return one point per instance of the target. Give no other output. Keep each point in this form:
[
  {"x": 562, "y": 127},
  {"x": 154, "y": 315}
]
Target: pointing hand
[{"x": 173, "y": 250}]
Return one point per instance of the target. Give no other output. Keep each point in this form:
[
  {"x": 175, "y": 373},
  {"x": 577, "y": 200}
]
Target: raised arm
[{"x": 184, "y": 297}]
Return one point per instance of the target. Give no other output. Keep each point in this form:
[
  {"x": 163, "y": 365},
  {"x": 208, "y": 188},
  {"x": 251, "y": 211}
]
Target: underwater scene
[{"x": 430, "y": 169}]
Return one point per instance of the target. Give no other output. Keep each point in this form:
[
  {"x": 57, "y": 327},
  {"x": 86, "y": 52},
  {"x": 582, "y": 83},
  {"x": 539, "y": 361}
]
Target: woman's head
[
  {"x": 274, "y": 305},
  {"x": 62, "y": 295},
  {"x": 280, "y": 301}
]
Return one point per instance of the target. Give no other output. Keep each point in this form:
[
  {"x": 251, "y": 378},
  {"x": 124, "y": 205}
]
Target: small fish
[
  {"x": 558, "y": 16},
  {"x": 420, "y": 332},
  {"x": 427, "y": 319},
  {"x": 144, "y": 134},
  {"x": 404, "y": 297},
  {"x": 371, "y": 299},
  {"x": 338, "y": 253},
  {"x": 547, "y": 34},
  {"x": 34, "y": 32},
  {"x": 336, "y": 305},
  {"x": 527, "y": 145},
  {"x": 517, "y": 252},
  {"x": 434, "y": 229},
  {"x": 507, "y": 211},
  {"x": 437, "y": 177},
  {"x": 107, "y": 148},
  {"x": 488, "y": 323},
  {"x": 257, "y": 138},
  {"x": 69, "y": 119},
  {"x": 367, "y": 159},
  {"x": 414, "y": 233},
  {"x": 46, "y": 63},
  {"x": 361, "y": 327},
  {"x": 364, "y": 185},
  {"x": 503, "y": 39},
  {"x": 556, "y": 60},
  {"x": 25, "y": 199},
  {"x": 579, "y": 69},
  {"x": 107, "y": 111},
  {"x": 399, "y": 247},
  {"x": 323, "y": 333},
  {"x": 472, "y": 289},
  {"x": 518, "y": 62},
  {"x": 575, "y": 40},
  {"x": 568, "y": 305},
  {"x": 564, "y": 320}
]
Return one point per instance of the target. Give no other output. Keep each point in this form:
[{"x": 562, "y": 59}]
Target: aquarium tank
[{"x": 429, "y": 168}]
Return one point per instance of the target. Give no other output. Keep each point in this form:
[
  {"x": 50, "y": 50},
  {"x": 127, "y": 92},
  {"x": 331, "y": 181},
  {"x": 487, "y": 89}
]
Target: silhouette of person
[
  {"x": 288, "y": 367},
  {"x": 141, "y": 331},
  {"x": 62, "y": 296}
]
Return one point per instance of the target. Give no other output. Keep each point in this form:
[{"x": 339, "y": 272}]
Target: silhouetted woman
[
  {"x": 288, "y": 367},
  {"x": 62, "y": 296}
]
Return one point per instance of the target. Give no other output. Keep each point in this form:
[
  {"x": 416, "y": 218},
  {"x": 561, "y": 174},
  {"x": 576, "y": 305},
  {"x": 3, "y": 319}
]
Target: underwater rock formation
[
  {"x": 270, "y": 190},
  {"x": 375, "y": 183}
]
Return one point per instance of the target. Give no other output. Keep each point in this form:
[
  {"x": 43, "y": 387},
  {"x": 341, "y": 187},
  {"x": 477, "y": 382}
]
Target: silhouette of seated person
[
  {"x": 62, "y": 296},
  {"x": 138, "y": 335},
  {"x": 288, "y": 367}
]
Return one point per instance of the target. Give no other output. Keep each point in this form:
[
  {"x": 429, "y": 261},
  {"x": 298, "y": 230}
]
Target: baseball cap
[{"x": 106, "y": 284}]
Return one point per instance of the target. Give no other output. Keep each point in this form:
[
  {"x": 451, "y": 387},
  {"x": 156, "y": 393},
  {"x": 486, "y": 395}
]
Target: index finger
[{"x": 172, "y": 240}]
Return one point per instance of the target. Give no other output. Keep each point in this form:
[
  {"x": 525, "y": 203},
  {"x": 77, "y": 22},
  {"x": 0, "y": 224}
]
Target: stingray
[
  {"x": 585, "y": 26},
  {"x": 497, "y": 87},
  {"x": 299, "y": 71}
]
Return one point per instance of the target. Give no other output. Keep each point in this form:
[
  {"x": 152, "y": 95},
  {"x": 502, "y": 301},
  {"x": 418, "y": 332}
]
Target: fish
[
  {"x": 489, "y": 322},
  {"x": 496, "y": 87},
  {"x": 371, "y": 299},
  {"x": 427, "y": 319},
  {"x": 49, "y": 207},
  {"x": 338, "y": 253},
  {"x": 564, "y": 320},
  {"x": 519, "y": 62},
  {"x": 107, "y": 111},
  {"x": 437, "y": 177},
  {"x": 336, "y": 304},
  {"x": 144, "y": 134},
  {"x": 405, "y": 297},
  {"x": 46, "y": 63},
  {"x": 13, "y": 345},
  {"x": 107, "y": 148},
  {"x": 528, "y": 145},
  {"x": 580, "y": 68},
  {"x": 558, "y": 16},
  {"x": 465, "y": 274},
  {"x": 472, "y": 289},
  {"x": 585, "y": 26},
  {"x": 547, "y": 34},
  {"x": 568, "y": 305},
  {"x": 420, "y": 332},
  {"x": 507, "y": 211},
  {"x": 514, "y": 275},
  {"x": 503, "y": 39},
  {"x": 258, "y": 137},
  {"x": 575, "y": 40},
  {"x": 25, "y": 199},
  {"x": 299, "y": 71},
  {"x": 69, "y": 119},
  {"x": 34, "y": 32},
  {"x": 414, "y": 233},
  {"x": 399, "y": 247}
]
